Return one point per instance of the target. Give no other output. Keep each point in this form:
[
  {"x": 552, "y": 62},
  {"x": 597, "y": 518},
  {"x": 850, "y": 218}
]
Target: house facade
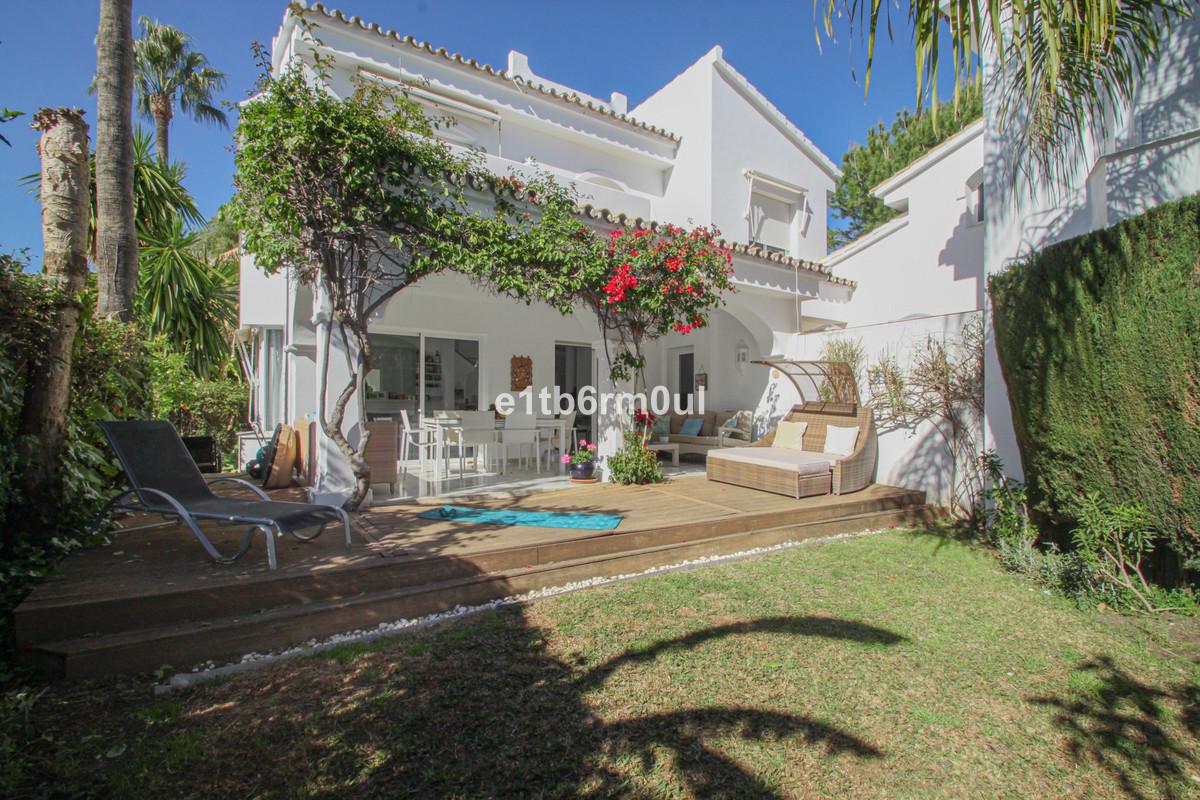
[{"x": 706, "y": 148}]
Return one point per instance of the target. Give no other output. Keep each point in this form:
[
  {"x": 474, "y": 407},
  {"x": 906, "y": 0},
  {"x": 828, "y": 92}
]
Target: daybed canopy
[{"x": 818, "y": 383}]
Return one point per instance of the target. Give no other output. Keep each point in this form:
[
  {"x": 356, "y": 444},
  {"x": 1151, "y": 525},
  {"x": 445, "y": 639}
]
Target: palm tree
[
  {"x": 158, "y": 192},
  {"x": 116, "y": 236},
  {"x": 1063, "y": 65},
  {"x": 170, "y": 72}
]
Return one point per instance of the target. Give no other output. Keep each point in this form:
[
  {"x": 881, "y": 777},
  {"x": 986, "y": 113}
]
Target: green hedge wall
[{"x": 1099, "y": 342}]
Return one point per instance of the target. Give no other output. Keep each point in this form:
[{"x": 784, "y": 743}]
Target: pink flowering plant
[
  {"x": 584, "y": 453},
  {"x": 655, "y": 281}
]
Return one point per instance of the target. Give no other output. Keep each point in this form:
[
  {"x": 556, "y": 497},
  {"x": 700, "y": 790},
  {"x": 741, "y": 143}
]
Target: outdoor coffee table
[{"x": 673, "y": 449}]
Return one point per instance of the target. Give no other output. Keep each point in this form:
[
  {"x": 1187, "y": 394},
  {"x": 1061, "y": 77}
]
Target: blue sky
[{"x": 47, "y": 58}]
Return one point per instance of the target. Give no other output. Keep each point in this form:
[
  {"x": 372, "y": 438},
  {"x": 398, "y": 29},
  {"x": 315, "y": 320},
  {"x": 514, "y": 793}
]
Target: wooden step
[
  {"x": 230, "y": 636},
  {"x": 38, "y": 621}
]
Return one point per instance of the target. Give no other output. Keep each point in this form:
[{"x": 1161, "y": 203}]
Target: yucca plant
[{"x": 187, "y": 299}]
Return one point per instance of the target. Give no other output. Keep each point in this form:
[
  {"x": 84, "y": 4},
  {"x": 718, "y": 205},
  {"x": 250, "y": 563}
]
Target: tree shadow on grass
[
  {"x": 487, "y": 708},
  {"x": 1129, "y": 729}
]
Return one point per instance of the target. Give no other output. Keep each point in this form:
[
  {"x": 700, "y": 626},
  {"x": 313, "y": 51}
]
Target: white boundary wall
[{"x": 914, "y": 459}]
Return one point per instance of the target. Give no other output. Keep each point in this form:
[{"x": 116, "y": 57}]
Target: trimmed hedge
[{"x": 1099, "y": 342}]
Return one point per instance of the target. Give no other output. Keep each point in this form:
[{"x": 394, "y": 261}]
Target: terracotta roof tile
[{"x": 604, "y": 215}]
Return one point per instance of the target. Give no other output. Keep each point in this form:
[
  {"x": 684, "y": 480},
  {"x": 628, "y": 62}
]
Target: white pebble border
[{"x": 210, "y": 671}]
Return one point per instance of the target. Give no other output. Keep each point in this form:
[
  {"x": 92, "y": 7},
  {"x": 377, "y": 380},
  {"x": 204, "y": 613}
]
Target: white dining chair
[
  {"x": 568, "y": 426},
  {"x": 417, "y": 439},
  {"x": 476, "y": 432},
  {"x": 444, "y": 421},
  {"x": 520, "y": 431}
]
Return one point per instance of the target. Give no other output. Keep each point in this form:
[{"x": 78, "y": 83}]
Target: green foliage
[
  {"x": 115, "y": 373},
  {"x": 7, "y": 115},
  {"x": 168, "y": 73},
  {"x": 1099, "y": 342},
  {"x": 186, "y": 298},
  {"x": 583, "y": 453},
  {"x": 357, "y": 197},
  {"x": 850, "y": 352},
  {"x": 654, "y": 282},
  {"x": 107, "y": 380},
  {"x": 195, "y": 406},
  {"x": 1113, "y": 539},
  {"x": 886, "y": 152},
  {"x": 219, "y": 235},
  {"x": 634, "y": 463}
]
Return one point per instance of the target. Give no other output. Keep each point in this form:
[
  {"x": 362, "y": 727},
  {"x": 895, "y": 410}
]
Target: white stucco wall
[
  {"x": 927, "y": 262},
  {"x": 914, "y": 458},
  {"x": 263, "y": 297}
]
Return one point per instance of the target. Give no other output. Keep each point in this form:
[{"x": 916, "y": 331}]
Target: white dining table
[{"x": 442, "y": 425}]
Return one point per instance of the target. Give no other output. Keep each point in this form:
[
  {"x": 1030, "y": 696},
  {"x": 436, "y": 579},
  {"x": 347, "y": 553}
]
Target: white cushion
[
  {"x": 798, "y": 461},
  {"x": 790, "y": 435},
  {"x": 840, "y": 441}
]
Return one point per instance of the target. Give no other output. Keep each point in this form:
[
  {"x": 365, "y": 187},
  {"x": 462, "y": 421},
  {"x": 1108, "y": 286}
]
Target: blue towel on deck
[{"x": 532, "y": 519}]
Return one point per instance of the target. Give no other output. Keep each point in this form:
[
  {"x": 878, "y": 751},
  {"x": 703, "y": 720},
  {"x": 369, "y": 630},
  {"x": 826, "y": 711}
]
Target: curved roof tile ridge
[
  {"x": 458, "y": 58},
  {"x": 624, "y": 220}
]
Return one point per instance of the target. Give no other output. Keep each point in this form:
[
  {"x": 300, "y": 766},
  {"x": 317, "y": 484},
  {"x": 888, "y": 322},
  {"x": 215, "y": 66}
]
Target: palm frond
[
  {"x": 1064, "y": 66},
  {"x": 185, "y": 298},
  {"x": 166, "y": 66}
]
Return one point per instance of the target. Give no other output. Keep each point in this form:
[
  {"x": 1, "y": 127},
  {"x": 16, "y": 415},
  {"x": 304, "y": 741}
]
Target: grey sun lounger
[{"x": 163, "y": 479}]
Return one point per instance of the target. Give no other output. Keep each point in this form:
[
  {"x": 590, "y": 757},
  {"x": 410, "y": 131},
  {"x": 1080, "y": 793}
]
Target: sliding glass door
[
  {"x": 451, "y": 375},
  {"x": 421, "y": 375}
]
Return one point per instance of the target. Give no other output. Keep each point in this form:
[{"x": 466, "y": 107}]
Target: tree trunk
[
  {"x": 160, "y": 107},
  {"x": 64, "y": 195},
  {"x": 116, "y": 234},
  {"x": 332, "y": 420}
]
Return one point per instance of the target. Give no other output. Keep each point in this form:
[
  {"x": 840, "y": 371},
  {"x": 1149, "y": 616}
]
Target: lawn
[{"x": 898, "y": 665}]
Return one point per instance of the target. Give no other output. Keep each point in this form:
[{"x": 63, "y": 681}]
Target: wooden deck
[{"x": 151, "y": 597}]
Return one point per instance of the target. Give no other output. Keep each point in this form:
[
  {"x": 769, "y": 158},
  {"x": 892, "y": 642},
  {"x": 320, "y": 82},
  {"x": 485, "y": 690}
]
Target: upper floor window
[{"x": 771, "y": 222}]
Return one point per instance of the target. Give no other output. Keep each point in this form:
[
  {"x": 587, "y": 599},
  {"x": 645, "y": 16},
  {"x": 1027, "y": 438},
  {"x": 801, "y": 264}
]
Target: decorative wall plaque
[{"x": 522, "y": 373}]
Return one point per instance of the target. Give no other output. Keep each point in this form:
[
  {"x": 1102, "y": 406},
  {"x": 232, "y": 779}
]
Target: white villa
[{"x": 707, "y": 148}]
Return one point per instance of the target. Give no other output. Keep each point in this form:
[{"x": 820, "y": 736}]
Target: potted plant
[{"x": 582, "y": 461}]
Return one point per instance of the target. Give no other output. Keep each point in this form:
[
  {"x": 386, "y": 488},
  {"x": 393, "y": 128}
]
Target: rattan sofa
[{"x": 809, "y": 471}]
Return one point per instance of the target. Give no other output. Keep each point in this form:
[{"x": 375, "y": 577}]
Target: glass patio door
[{"x": 421, "y": 375}]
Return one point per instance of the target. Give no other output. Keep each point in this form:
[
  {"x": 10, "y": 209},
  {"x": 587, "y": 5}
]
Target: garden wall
[
  {"x": 1099, "y": 342},
  {"x": 913, "y": 457}
]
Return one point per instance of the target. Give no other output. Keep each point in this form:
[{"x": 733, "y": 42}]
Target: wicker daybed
[{"x": 809, "y": 470}]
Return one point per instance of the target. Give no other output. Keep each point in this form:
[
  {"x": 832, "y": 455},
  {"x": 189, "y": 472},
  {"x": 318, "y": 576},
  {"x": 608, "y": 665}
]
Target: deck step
[
  {"x": 41, "y": 621},
  {"x": 230, "y": 636}
]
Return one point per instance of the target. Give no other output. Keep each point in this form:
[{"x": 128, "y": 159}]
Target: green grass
[{"x": 901, "y": 665}]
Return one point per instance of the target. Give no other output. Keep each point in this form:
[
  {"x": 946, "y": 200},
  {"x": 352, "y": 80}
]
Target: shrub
[
  {"x": 195, "y": 406},
  {"x": 1099, "y": 342},
  {"x": 634, "y": 463}
]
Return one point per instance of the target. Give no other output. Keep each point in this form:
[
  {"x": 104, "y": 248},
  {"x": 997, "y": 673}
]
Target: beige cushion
[
  {"x": 709, "y": 428},
  {"x": 720, "y": 418},
  {"x": 840, "y": 440},
  {"x": 797, "y": 461},
  {"x": 677, "y": 422},
  {"x": 790, "y": 435}
]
